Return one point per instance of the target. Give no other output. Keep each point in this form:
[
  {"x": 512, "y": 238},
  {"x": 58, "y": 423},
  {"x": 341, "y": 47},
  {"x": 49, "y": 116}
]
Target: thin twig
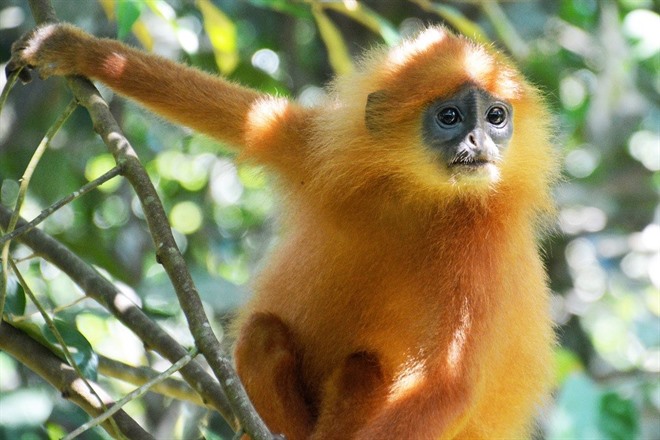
[
  {"x": 174, "y": 388},
  {"x": 17, "y": 319},
  {"x": 22, "y": 191},
  {"x": 133, "y": 395},
  {"x": 60, "y": 203}
]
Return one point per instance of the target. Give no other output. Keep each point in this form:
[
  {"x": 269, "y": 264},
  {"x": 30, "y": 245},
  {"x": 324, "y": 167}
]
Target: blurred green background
[{"x": 597, "y": 61}]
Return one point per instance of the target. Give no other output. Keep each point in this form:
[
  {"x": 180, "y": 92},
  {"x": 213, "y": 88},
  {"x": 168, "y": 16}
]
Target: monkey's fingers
[
  {"x": 19, "y": 61},
  {"x": 47, "y": 48},
  {"x": 24, "y": 73}
]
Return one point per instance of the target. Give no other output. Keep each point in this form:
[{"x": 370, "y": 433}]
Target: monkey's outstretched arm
[{"x": 206, "y": 103}]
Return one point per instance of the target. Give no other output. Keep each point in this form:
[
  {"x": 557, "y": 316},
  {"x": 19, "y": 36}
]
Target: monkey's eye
[
  {"x": 496, "y": 115},
  {"x": 449, "y": 116}
]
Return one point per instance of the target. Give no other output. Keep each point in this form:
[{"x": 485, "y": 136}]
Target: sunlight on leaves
[
  {"x": 186, "y": 217},
  {"x": 97, "y": 166},
  {"x": 567, "y": 364},
  {"x": 222, "y": 33},
  {"x": 340, "y": 59},
  {"x": 162, "y": 9},
  {"x": 456, "y": 19},
  {"x": 367, "y": 17},
  {"x": 25, "y": 407}
]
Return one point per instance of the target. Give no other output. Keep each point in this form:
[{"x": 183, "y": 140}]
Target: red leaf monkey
[{"x": 406, "y": 298}]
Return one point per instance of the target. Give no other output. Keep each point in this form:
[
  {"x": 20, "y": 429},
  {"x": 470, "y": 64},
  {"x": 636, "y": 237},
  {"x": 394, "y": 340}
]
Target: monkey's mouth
[
  {"x": 474, "y": 168},
  {"x": 469, "y": 162}
]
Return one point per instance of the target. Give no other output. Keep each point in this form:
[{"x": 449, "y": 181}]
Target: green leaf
[
  {"x": 81, "y": 350},
  {"x": 222, "y": 34},
  {"x": 35, "y": 332},
  {"x": 127, "y": 14},
  {"x": 55, "y": 430},
  {"x": 618, "y": 417},
  {"x": 79, "y": 347},
  {"x": 581, "y": 13},
  {"x": 15, "y": 300}
]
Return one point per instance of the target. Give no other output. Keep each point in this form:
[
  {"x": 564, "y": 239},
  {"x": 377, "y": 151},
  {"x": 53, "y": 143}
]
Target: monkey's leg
[
  {"x": 267, "y": 361},
  {"x": 350, "y": 396}
]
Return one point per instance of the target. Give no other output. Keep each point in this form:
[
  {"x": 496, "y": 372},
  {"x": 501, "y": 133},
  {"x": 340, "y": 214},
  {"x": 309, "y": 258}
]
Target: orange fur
[{"x": 400, "y": 302}]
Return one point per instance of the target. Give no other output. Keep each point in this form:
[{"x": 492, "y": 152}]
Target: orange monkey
[{"x": 406, "y": 298}]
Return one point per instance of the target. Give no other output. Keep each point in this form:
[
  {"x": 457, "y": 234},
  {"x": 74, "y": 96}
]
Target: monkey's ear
[{"x": 375, "y": 110}]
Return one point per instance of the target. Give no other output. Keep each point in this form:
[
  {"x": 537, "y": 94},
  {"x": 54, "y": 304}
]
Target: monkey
[{"x": 405, "y": 297}]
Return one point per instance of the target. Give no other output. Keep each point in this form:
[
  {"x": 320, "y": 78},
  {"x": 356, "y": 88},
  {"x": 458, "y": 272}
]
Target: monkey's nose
[{"x": 475, "y": 140}]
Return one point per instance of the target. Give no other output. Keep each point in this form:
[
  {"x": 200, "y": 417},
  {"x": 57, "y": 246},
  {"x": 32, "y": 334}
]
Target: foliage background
[{"x": 598, "y": 62}]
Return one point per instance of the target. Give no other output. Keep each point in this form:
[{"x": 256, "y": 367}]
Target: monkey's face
[{"x": 469, "y": 132}]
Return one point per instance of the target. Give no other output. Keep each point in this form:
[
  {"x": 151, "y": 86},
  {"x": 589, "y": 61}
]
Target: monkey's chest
[
  {"x": 410, "y": 317},
  {"x": 406, "y": 322}
]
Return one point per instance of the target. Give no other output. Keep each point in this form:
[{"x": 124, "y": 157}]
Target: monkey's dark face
[{"x": 469, "y": 131}]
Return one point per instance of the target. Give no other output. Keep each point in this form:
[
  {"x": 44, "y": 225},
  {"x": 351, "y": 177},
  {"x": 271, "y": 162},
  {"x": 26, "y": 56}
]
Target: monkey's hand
[{"x": 52, "y": 49}]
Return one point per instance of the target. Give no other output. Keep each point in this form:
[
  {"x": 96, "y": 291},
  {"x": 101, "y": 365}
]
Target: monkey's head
[{"x": 443, "y": 116}]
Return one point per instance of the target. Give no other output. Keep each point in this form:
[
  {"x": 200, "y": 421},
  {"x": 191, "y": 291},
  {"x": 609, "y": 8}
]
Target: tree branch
[
  {"x": 169, "y": 256},
  {"x": 105, "y": 293},
  {"x": 174, "y": 388},
  {"x": 64, "y": 378},
  {"x": 167, "y": 252}
]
